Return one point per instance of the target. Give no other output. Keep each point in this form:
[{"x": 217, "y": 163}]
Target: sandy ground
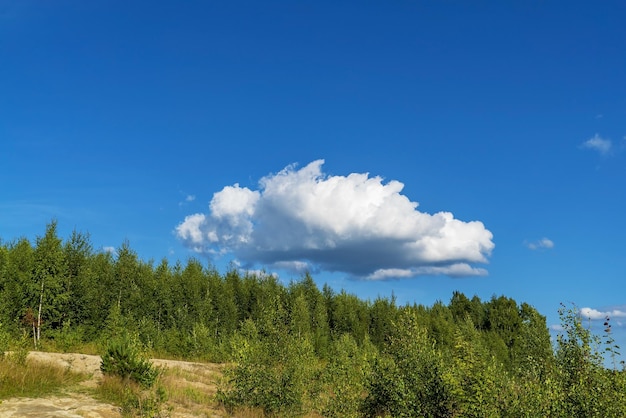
[{"x": 80, "y": 405}]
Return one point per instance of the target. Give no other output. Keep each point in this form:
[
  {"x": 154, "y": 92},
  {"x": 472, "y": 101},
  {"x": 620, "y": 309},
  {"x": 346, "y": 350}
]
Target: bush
[
  {"x": 345, "y": 377},
  {"x": 406, "y": 379},
  {"x": 5, "y": 338},
  {"x": 124, "y": 359},
  {"x": 132, "y": 399},
  {"x": 68, "y": 339},
  {"x": 273, "y": 374}
]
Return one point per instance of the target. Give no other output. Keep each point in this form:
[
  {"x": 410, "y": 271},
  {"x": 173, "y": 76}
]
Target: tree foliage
[{"x": 297, "y": 349}]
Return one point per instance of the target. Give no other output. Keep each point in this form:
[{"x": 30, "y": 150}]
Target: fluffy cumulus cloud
[
  {"x": 592, "y": 314},
  {"x": 357, "y": 224},
  {"x": 543, "y": 243},
  {"x": 599, "y": 144}
]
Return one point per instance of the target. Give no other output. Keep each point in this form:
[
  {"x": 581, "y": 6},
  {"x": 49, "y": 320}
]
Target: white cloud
[
  {"x": 355, "y": 224},
  {"x": 592, "y": 314},
  {"x": 557, "y": 327},
  {"x": 539, "y": 244},
  {"x": 110, "y": 250},
  {"x": 259, "y": 273},
  {"x": 188, "y": 199},
  {"x": 453, "y": 270},
  {"x": 599, "y": 144},
  {"x": 295, "y": 266}
]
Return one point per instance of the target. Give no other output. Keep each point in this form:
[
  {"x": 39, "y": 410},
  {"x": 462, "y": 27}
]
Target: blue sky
[{"x": 291, "y": 135}]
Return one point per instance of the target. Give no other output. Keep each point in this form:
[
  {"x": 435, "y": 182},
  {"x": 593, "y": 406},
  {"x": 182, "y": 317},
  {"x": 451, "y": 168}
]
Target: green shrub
[
  {"x": 407, "y": 378},
  {"x": 132, "y": 399},
  {"x": 68, "y": 338},
  {"x": 275, "y": 374},
  {"x": 588, "y": 388},
  {"x": 5, "y": 339},
  {"x": 124, "y": 359},
  {"x": 345, "y": 377}
]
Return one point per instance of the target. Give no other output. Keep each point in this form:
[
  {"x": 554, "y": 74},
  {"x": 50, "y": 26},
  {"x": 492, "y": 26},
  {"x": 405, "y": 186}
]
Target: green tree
[
  {"x": 50, "y": 277},
  {"x": 4, "y": 263},
  {"x": 460, "y": 306},
  {"x": 234, "y": 282},
  {"x": 193, "y": 290},
  {"x": 581, "y": 370},
  {"x": 532, "y": 352},
  {"x": 79, "y": 282},
  {"x": 503, "y": 317},
  {"x": 321, "y": 329},
  {"x": 346, "y": 376},
  {"x": 407, "y": 378},
  {"x": 272, "y": 369},
  {"x": 16, "y": 294},
  {"x": 163, "y": 294},
  {"x": 123, "y": 358},
  {"x": 441, "y": 325},
  {"x": 349, "y": 314},
  {"x": 125, "y": 279},
  {"x": 101, "y": 294},
  {"x": 226, "y": 308},
  {"x": 300, "y": 318},
  {"x": 475, "y": 378},
  {"x": 383, "y": 313}
]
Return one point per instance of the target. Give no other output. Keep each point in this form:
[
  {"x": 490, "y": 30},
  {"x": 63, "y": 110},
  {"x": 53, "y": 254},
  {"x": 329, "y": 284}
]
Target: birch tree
[{"x": 49, "y": 276}]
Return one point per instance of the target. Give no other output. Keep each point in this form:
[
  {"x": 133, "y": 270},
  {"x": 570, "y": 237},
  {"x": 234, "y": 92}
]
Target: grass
[
  {"x": 188, "y": 390},
  {"x": 192, "y": 391},
  {"x": 22, "y": 378},
  {"x": 133, "y": 400},
  {"x": 53, "y": 346}
]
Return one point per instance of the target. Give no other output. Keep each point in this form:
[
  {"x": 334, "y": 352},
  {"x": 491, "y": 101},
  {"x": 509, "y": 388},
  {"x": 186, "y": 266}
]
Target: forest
[{"x": 293, "y": 349}]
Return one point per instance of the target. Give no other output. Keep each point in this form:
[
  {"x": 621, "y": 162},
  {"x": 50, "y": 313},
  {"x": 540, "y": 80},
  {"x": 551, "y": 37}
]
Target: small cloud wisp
[
  {"x": 543, "y": 243},
  {"x": 109, "y": 249},
  {"x": 599, "y": 144}
]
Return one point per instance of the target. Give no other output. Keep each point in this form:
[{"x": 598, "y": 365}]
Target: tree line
[{"x": 295, "y": 348}]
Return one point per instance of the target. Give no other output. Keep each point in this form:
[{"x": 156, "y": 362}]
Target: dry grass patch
[
  {"x": 133, "y": 400},
  {"x": 191, "y": 389},
  {"x": 21, "y": 377}
]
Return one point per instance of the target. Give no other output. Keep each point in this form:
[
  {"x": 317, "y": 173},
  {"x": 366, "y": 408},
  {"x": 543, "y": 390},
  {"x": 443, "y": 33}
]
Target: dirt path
[
  {"x": 78, "y": 404},
  {"x": 69, "y": 406}
]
